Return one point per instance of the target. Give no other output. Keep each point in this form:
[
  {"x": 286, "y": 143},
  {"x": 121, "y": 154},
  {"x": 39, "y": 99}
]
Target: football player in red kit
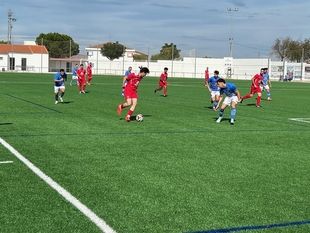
[
  {"x": 255, "y": 88},
  {"x": 163, "y": 82},
  {"x": 81, "y": 79},
  {"x": 130, "y": 91},
  {"x": 89, "y": 73}
]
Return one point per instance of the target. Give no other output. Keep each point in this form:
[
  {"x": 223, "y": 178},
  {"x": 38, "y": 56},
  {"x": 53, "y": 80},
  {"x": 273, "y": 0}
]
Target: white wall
[{"x": 35, "y": 62}]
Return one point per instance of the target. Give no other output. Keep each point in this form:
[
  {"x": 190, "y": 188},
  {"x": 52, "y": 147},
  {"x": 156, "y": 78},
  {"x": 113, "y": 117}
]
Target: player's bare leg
[
  {"x": 259, "y": 97},
  {"x": 165, "y": 91},
  {"x": 124, "y": 105},
  {"x": 233, "y": 113},
  {"x": 158, "y": 89},
  {"x": 221, "y": 113},
  {"x": 132, "y": 108}
]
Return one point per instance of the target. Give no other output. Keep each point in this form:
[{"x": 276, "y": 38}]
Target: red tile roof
[{"x": 17, "y": 48}]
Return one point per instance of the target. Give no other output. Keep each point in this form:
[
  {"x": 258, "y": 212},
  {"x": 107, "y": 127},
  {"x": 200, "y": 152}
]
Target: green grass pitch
[{"x": 177, "y": 171}]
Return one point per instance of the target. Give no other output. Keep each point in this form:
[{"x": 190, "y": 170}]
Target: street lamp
[
  {"x": 232, "y": 10},
  {"x": 10, "y": 20}
]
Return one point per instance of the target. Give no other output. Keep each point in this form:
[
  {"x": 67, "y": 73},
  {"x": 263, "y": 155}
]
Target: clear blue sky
[{"x": 147, "y": 25}]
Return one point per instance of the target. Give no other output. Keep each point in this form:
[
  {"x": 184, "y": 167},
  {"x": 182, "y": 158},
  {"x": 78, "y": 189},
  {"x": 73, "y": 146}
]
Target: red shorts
[
  {"x": 162, "y": 84},
  {"x": 130, "y": 94},
  {"x": 82, "y": 81},
  {"x": 255, "y": 89}
]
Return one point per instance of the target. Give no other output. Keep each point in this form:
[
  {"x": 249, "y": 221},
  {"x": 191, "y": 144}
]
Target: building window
[{"x": 1, "y": 58}]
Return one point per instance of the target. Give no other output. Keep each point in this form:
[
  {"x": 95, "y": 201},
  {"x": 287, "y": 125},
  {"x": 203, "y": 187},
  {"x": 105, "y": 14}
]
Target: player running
[
  {"x": 74, "y": 76},
  {"x": 163, "y": 82},
  {"x": 232, "y": 98},
  {"x": 213, "y": 88},
  {"x": 59, "y": 85},
  {"x": 89, "y": 73},
  {"x": 255, "y": 88},
  {"x": 266, "y": 83},
  {"x": 130, "y": 92},
  {"x": 206, "y": 75},
  {"x": 81, "y": 73}
]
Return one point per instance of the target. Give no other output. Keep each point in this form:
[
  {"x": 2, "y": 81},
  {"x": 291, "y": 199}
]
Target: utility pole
[
  {"x": 231, "y": 10},
  {"x": 10, "y": 20}
]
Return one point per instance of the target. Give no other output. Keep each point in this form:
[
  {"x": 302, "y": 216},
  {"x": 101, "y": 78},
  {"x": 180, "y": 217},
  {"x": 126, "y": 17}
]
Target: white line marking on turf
[
  {"x": 63, "y": 192},
  {"x": 6, "y": 162},
  {"x": 307, "y": 120}
]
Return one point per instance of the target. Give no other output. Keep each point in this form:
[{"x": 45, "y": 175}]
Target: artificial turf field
[{"x": 177, "y": 171}]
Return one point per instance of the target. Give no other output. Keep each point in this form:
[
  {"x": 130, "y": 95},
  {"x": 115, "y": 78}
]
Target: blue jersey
[
  {"x": 229, "y": 90},
  {"x": 265, "y": 78},
  {"x": 128, "y": 72},
  {"x": 74, "y": 71},
  {"x": 212, "y": 83},
  {"x": 58, "y": 76}
]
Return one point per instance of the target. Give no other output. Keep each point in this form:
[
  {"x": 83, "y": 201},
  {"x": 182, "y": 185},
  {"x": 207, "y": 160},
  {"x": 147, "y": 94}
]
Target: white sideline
[
  {"x": 63, "y": 192},
  {"x": 6, "y": 162}
]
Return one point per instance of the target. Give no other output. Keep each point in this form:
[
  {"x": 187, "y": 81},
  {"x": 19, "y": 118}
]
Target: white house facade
[{"x": 25, "y": 58}]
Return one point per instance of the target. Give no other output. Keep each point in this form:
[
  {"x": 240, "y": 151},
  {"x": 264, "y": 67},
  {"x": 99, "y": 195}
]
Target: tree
[
  {"x": 112, "y": 50},
  {"x": 280, "y": 47},
  {"x": 3, "y": 42},
  {"x": 58, "y": 45},
  {"x": 306, "y": 49},
  {"x": 294, "y": 51},
  {"x": 140, "y": 57},
  {"x": 166, "y": 52}
]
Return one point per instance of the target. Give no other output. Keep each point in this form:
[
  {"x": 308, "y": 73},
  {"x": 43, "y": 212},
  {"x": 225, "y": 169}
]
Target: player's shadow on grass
[
  {"x": 223, "y": 119},
  {"x": 164, "y": 95},
  {"x": 66, "y": 102},
  {"x": 209, "y": 107},
  {"x": 133, "y": 118},
  {"x": 250, "y": 104},
  {"x": 6, "y": 123}
]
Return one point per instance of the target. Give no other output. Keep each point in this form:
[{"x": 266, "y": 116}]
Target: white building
[
  {"x": 26, "y": 58},
  {"x": 192, "y": 67}
]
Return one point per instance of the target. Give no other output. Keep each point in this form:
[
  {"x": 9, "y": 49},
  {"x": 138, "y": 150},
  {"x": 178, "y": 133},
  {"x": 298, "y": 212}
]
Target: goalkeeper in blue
[{"x": 232, "y": 99}]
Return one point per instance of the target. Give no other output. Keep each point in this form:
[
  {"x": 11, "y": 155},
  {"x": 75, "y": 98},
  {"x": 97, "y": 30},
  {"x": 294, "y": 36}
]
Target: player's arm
[
  {"x": 162, "y": 78},
  {"x": 78, "y": 74},
  {"x": 219, "y": 102},
  {"x": 124, "y": 80},
  {"x": 207, "y": 85},
  {"x": 58, "y": 80},
  {"x": 238, "y": 95},
  {"x": 253, "y": 81},
  {"x": 269, "y": 83}
]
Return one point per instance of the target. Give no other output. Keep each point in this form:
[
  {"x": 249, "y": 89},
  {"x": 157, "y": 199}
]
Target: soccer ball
[{"x": 139, "y": 117}]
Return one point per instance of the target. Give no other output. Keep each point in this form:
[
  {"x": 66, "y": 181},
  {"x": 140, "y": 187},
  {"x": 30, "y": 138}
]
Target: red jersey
[
  {"x": 207, "y": 74},
  {"x": 133, "y": 82},
  {"x": 89, "y": 70},
  {"x": 163, "y": 77},
  {"x": 257, "y": 79},
  {"x": 81, "y": 73}
]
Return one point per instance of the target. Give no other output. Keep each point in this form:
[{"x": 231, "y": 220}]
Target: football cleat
[
  {"x": 56, "y": 102},
  {"x": 61, "y": 100},
  {"x": 241, "y": 100},
  {"x": 232, "y": 121},
  {"x": 119, "y": 109},
  {"x": 269, "y": 99},
  {"x": 155, "y": 91},
  {"x": 219, "y": 120},
  {"x": 258, "y": 106},
  {"x": 127, "y": 118}
]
